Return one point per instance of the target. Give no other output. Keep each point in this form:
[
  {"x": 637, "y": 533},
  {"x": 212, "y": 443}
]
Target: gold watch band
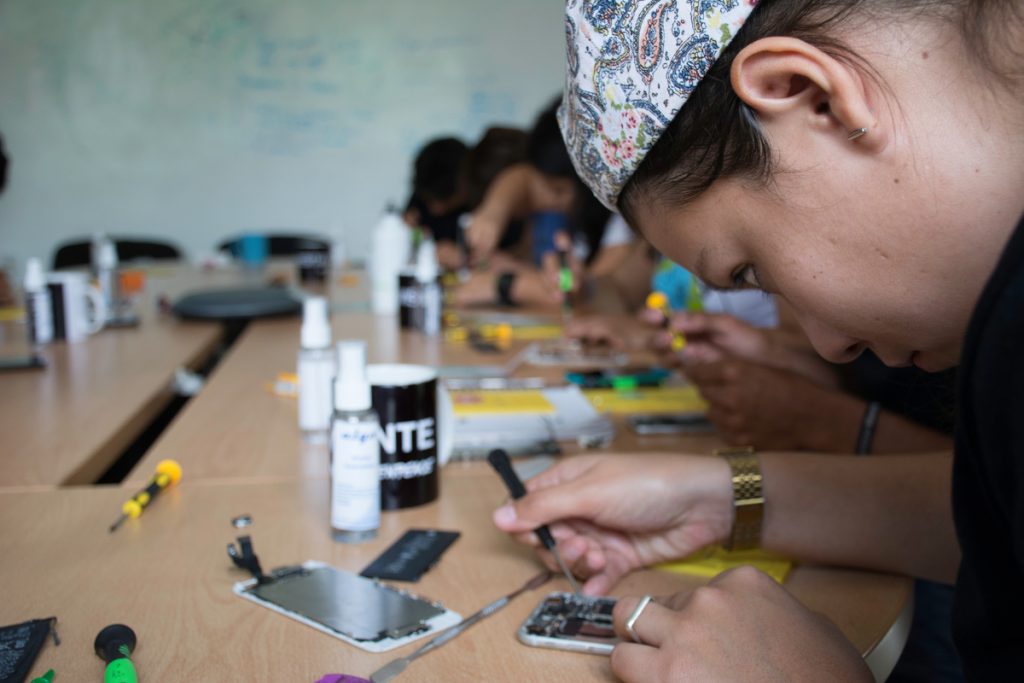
[{"x": 747, "y": 497}]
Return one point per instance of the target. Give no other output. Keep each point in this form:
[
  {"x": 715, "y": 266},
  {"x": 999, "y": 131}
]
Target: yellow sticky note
[
  {"x": 711, "y": 564},
  {"x": 11, "y": 314},
  {"x": 286, "y": 384},
  {"x": 497, "y": 402},
  {"x": 647, "y": 400},
  {"x": 508, "y": 331}
]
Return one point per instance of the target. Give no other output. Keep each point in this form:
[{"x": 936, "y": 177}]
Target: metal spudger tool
[
  {"x": 500, "y": 462},
  {"x": 397, "y": 666}
]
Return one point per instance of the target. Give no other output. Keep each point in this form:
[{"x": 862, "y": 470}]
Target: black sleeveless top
[{"x": 988, "y": 478}]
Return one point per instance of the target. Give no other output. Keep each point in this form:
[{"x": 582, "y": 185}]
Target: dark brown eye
[{"x": 745, "y": 277}]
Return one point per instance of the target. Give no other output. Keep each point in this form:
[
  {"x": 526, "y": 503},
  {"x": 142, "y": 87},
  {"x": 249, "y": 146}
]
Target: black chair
[
  {"x": 281, "y": 244},
  {"x": 78, "y": 253}
]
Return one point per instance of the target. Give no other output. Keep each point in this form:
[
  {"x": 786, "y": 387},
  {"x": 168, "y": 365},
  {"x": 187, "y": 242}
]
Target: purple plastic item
[{"x": 342, "y": 678}]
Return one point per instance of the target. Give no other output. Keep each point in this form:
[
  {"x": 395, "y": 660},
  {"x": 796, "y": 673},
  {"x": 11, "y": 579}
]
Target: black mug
[
  {"x": 409, "y": 302},
  {"x": 314, "y": 262},
  {"x": 406, "y": 400}
]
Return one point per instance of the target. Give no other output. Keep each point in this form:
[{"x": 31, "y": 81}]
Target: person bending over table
[
  {"x": 438, "y": 198},
  {"x": 864, "y": 161},
  {"x": 545, "y": 192},
  {"x": 768, "y": 391}
]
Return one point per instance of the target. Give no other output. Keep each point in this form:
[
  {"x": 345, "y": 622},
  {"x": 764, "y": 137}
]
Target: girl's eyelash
[
  {"x": 737, "y": 277},
  {"x": 739, "y": 281},
  {"x": 741, "y": 277}
]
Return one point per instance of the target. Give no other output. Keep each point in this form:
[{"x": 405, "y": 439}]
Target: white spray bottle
[{"x": 355, "y": 450}]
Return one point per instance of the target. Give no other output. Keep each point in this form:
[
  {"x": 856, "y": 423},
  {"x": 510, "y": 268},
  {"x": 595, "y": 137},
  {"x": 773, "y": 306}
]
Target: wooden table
[
  {"x": 236, "y": 430},
  {"x": 66, "y": 424},
  {"x": 168, "y": 577}
]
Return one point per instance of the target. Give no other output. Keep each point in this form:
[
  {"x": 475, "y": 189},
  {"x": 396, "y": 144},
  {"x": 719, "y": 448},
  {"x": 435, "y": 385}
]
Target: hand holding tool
[
  {"x": 498, "y": 459},
  {"x": 659, "y": 302}
]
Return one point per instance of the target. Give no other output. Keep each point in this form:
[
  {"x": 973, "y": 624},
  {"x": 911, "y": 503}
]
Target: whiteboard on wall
[{"x": 196, "y": 119}]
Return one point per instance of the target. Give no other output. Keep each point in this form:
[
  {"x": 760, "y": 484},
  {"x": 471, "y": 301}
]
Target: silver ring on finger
[{"x": 634, "y": 616}]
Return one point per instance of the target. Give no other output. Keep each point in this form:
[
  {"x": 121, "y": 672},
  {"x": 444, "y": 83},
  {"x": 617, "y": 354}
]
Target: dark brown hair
[
  {"x": 497, "y": 149},
  {"x": 436, "y": 169},
  {"x": 716, "y": 135}
]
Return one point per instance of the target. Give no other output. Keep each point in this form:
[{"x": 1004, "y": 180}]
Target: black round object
[
  {"x": 237, "y": 304},
  {"x": 408, "y": 300},
  {"x": 110, "y": 639},
  {"x": 405, "y": 399}
]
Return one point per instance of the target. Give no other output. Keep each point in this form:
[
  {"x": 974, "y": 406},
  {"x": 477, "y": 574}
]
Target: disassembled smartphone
[
  {"x": 566, "y": 621},
  {"x": 573, "y": 354},
  {"x": 682, "y": 423},
  {"x": 360, "y": 611}
]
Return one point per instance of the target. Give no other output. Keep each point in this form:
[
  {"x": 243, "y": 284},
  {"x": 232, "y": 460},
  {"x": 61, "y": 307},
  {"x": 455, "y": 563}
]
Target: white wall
[{"x": 195, "y": 119}]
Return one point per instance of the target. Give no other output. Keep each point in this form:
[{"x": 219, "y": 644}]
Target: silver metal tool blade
[{"x": 565, "y": 570}]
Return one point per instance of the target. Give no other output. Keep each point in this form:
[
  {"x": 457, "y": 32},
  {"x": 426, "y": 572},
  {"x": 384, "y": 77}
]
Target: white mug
[{"x": 78, "y": 309}]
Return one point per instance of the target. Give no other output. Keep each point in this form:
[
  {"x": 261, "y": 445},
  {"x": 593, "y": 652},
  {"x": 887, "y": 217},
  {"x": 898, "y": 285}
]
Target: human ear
[{"x": 783, "y": 78}]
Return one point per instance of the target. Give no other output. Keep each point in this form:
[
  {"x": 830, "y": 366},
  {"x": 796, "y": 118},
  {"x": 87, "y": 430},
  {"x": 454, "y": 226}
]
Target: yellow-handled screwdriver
[
  {"x": 167, "y": 472},
  {"x": 659, "y": 302}
]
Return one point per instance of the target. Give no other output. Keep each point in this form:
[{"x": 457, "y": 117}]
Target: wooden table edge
[{"x": 103, "y": 457}]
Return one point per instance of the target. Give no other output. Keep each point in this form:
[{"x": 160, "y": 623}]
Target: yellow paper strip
[
  {"x": 500, "y": 402},
  {"x": 720, "y": 560},
  {"x": 653, "y": 400},
  {"x": 12, "y": 314}
]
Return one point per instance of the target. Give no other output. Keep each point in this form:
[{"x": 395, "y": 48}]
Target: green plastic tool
[{"x": 114, "y": 645}]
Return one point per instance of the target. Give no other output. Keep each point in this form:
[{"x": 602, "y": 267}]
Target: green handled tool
[
  {"x": 565, "y": 281},
  {"x": 114, "y": 645}
]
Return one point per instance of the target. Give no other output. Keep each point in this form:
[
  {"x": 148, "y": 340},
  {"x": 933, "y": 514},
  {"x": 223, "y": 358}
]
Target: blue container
[
  {"x": 252, "y": 250},
  {"x": 545, "y": 225}
]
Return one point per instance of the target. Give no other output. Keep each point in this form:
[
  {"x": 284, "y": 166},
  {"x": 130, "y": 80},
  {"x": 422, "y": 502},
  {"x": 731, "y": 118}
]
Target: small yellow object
[
  {"x": 12, "y": 314},
  {"x": 659, "y": 302},
  {"x": 286, "y": 384},
  {"x": 456, "y": 334},
  {"x": 500, "y": 333},
  {"x": 171, "y": 468},
  {"x": 710, "y": 564},
  {"x": 167, "y": 472},
  {"x": 467, "y": 402}
]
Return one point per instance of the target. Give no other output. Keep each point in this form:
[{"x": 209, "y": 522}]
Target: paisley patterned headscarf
[{"x": 631, "y": 66}]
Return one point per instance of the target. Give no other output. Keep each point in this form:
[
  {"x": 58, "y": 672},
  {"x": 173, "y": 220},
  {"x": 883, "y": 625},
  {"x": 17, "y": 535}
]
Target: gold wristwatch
[{"x": 747, "y": 497}]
